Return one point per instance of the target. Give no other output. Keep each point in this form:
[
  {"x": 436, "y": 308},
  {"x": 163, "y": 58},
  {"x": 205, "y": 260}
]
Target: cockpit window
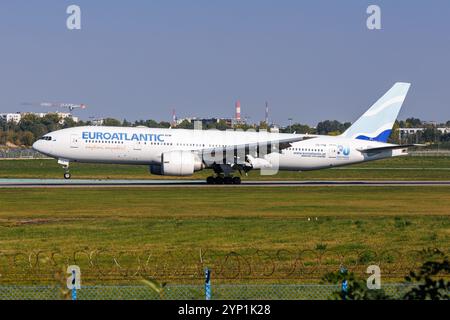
[{"x": 46, "y": 138}]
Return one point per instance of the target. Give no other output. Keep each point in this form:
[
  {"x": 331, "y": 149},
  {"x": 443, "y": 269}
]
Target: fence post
[
  {"x": 74, "y": 281},
  {"x": 74, "y": 294},
  {"x": 344, "y": 286},
  {"x": 207, "y": 284}
]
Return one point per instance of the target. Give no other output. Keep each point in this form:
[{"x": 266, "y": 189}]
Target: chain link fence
[
  {"x": 188, "y": 292},
  {"x": 430, "y": 153},
  {"x": 21, "y": 154}
]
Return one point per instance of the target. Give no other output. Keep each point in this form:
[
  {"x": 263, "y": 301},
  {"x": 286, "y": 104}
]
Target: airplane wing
[
  {"x": 280, "y": 144},
  {"x": 391, "y": 147},
  {"x": 237, "y": 153}
]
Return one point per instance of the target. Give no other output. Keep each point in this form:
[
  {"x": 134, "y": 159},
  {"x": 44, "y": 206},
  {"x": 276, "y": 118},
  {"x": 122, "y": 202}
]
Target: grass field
[
  {"x": 403, "y": 168},
  {"x": 176, "y": 223}
]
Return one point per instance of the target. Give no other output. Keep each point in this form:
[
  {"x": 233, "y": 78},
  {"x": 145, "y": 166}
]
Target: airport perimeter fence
[
  {"x": 189, "y": 275},
  {"x": 430, "y": 153},
  {"x": 21, "y": 154},
  {"x": 188, "y": 292}
]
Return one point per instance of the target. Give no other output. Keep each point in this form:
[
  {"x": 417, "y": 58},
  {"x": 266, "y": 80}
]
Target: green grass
[
  {"x": 175, "y": 223},
  {"x": 403, "y": 168}
]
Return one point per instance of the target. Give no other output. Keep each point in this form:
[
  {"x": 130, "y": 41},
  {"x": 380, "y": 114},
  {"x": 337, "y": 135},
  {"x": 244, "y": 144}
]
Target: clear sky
[{"x": 312, "y": 60}]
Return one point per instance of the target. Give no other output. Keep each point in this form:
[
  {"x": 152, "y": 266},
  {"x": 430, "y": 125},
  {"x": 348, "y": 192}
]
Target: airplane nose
[{"x": 36, "y": 146}]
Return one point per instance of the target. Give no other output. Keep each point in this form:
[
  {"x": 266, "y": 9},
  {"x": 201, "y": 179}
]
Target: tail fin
[{"x": 376, "y": 124}]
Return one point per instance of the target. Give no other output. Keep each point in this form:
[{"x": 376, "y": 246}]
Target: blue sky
[{"x": 312, "y": 60}]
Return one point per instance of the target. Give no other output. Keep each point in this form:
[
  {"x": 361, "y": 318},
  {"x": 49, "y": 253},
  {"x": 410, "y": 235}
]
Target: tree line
[{"x": 32, "y": 127}]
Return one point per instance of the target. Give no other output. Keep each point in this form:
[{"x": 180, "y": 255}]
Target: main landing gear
[
  {"x": 223, "y": 180},
  {"x": 223, "y": 175},
  {"x": 65, "y": 164}
]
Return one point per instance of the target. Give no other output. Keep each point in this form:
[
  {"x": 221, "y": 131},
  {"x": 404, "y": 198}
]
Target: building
[
  {"x": 11, "y": 117},
  {"x": 97, "y": 122},
  {"x": 66, "y": 115},
  {"x": 411, "y": 131}
]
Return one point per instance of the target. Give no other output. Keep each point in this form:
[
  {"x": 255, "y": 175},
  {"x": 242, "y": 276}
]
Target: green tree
[
  {"x": 394, "y": 137},
  {"x": 164, "y": 124},
  {"x": 69, "y": 123},
  {"x": 3, "y": 136},
  {"x": 186, "y": 125},
  {"x": 222, "y": 125},
  {"x": 150, "y": 123},
  {"x": 431, "y": 286},
  {"x": 51, "y": 121},
  {"x": 430, "y": 135},
  {"x": 413, "y": 123},
  {"x": 3, "y": 124},
  {"x": 327, "y": 126},
  {"x": 27, "y": 138},
  {"x": 126, "y": 123},
  {"x": 111, "y": 122},
  {"x": 299, "y": 128}
]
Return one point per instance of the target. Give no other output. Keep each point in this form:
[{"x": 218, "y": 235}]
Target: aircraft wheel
[
  {"x": 210, "y": 180},
  {"x": 236, "y": 180},
  {"x": 219, "y": 180},
  {"x": 228, "y": 180},
  {"x": 67, "y": 176}
]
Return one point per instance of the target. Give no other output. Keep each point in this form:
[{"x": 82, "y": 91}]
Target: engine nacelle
[
  {"x": 156, "y": 169},
  {"x": 259, "y": 163},
  {"x": 178, "y": 163}
]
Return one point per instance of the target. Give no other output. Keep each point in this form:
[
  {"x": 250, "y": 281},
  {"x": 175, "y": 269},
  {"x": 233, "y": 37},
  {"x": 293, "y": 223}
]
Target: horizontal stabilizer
[{"x": 391, "y": 147}]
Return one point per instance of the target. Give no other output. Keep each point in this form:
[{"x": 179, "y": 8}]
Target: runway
[{"x": 61, "y": 183}]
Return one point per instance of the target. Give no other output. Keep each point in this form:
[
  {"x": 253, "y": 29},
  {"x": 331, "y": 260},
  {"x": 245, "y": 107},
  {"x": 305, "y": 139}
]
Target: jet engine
[{"x": 178, "y": 163}]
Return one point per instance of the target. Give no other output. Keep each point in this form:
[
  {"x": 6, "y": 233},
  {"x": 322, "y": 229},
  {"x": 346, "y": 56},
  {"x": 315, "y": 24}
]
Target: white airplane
[{"x": 180, "y": 152}]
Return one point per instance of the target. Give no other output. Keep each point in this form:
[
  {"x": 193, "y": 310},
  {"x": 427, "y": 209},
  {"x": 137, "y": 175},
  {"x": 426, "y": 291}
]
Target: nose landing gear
[{"x": 65, "y": 164}]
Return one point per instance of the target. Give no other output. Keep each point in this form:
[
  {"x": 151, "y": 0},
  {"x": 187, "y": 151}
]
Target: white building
[
  {"x": 98, "y": 122},
  {"x": 11, "y": 117},
  {"x": 408, "y": 131},
  {"x": 65, "y": 115}
]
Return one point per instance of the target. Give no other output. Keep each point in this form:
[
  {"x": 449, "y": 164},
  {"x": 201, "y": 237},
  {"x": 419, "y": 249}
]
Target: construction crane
[{"x": 70, "y": 106}]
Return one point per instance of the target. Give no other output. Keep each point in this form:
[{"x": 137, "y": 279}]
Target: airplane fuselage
[{"x": 145, "y": 146}]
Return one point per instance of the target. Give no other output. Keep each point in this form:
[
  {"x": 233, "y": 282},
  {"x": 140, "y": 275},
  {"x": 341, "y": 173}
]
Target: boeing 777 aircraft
[{"x": 179, "y": 152}]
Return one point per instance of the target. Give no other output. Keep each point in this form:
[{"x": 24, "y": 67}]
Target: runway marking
[
  {"x": 59, "y": 183},
  {"x": 393, "y": 168}
]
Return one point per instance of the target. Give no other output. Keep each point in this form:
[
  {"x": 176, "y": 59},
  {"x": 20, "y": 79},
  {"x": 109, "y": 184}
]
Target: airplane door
[
  {"x": 332, "y": 151},
  {"x": 136, "y": 151},
  {"x": 137, "y": 146},
  {"x": 74, "y": 141}
]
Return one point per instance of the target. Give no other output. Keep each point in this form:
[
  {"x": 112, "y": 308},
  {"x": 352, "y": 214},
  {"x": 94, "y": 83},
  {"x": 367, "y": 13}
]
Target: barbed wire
[{"x": 106, "y": 264}]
